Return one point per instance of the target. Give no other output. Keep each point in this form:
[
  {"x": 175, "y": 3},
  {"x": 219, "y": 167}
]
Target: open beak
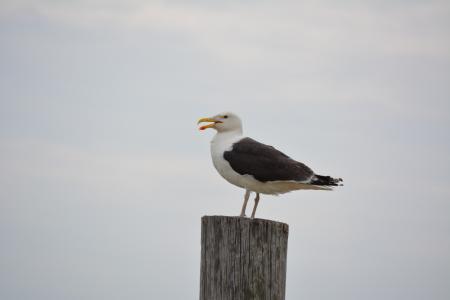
[{"x": 211, "y": 125}]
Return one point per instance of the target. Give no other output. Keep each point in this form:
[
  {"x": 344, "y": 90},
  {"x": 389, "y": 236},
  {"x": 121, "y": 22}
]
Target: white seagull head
[{"x": 223, "y": 122}]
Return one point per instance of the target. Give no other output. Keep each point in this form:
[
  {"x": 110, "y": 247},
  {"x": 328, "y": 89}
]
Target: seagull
[{"x": 257, "y": 167}]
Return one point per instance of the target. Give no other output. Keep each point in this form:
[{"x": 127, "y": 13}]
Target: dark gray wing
[{"x": 265, "y": 162}]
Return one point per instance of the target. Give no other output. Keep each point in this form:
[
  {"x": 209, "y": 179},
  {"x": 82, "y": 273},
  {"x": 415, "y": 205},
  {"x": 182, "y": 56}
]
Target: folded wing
[{"x": 266, "y": 163}]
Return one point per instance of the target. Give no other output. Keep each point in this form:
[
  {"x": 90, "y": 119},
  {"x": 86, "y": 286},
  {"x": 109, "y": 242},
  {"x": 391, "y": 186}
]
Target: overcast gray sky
[{"x": 104, "y": 176}]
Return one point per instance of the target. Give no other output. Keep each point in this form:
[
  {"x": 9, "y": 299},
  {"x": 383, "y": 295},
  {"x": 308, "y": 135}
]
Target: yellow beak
[{"x": 207, "y": 120}]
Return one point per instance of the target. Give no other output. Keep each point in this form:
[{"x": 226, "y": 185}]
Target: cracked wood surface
[{"x": 242, "y": 259}]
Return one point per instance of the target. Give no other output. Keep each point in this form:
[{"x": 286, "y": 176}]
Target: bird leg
[
  {"x": 244, "y": 206},
  {"x": 256, "y": 205}
]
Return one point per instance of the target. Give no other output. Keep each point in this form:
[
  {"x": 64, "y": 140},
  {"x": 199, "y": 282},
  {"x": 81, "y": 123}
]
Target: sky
[{"x": 104, "y": 175}]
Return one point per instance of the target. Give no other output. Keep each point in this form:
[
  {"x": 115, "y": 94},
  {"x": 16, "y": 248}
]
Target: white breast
[{"x": 224, "y": 142}]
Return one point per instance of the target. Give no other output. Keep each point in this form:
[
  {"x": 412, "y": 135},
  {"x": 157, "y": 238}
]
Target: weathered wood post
[{"x": 243, "y": 259}]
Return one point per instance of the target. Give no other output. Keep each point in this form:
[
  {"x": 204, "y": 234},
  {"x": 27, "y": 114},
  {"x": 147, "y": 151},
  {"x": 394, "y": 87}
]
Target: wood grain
[{"x": 242, "y": 258}]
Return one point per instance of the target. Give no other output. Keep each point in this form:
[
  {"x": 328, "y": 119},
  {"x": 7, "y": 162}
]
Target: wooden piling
[{"x": 242, "y": 259}]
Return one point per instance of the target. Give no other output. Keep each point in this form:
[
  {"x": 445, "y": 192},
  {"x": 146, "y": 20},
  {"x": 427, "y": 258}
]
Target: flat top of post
[{"x": 285, "y": 226}]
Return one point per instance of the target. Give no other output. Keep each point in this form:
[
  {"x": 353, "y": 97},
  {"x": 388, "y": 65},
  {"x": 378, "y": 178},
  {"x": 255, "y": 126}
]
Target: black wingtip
[{"x": 327, "y": 180}]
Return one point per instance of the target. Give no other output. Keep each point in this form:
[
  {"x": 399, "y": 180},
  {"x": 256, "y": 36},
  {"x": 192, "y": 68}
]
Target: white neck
[{"x": 227, "y": 135}]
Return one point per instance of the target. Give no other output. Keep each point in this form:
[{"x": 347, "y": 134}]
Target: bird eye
[{"x": 225, "y": 117}]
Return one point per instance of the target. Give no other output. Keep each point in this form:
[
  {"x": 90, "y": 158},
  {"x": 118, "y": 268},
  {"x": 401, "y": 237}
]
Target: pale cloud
[
  {"x": 244, "y": 33},
  {"x": 44, "y": 160}
]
